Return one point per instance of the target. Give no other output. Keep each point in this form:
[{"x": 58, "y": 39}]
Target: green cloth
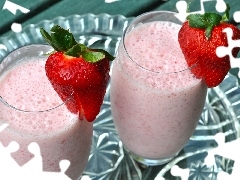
[{"x": 49, "y": 9}]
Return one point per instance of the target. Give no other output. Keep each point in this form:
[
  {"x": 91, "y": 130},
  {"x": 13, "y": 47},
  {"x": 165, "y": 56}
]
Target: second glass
[{"x": 156, "y": 100}]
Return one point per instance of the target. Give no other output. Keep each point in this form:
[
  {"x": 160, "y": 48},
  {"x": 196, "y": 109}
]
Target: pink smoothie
[
  {"x": 59, "y": 133},
  {"x": 155, "y": 110}
]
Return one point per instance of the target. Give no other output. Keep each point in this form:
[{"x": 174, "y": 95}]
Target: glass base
[{"x": 150, "y": 162}]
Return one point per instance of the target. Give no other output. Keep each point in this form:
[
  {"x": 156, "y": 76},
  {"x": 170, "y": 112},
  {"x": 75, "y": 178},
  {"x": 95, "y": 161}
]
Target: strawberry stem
[
  {"x": 62, "y": 40},
  {"x": 207, "y": 21}
]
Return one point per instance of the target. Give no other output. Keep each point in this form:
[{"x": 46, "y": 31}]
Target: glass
[
  {"x": 155, "y": 106},
  {"x": 35, "y": 114}
]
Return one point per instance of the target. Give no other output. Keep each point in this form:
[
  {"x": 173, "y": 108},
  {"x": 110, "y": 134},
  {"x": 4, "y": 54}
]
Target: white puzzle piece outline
[
  {"x": 16, "y": 27},
  {"x": 228, "y": 150},
  {"x": 182, "y": 7},
  {"x": 33, "y": 169},
  {"x": 236, "y": 16},
  {"x": 12, "y": 7},
  {"x": 182, "y": 173},
  {"x": 222, "y": 51},
  {"x": 111, "y": 1}
]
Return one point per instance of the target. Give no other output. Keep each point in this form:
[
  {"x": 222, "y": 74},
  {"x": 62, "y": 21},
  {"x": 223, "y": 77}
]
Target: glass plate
[{"x": 108, "y": 160}]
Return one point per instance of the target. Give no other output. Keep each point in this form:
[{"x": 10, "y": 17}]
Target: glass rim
[
  {"x": 2, "y": 100},
  {"x": 32, "y": 111},
  {"x": 188, "y": 68}
]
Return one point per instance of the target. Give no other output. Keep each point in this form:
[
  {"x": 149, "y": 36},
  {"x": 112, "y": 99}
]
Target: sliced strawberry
[
  {"x": 199, "y": 38},
  {"x": 77, "y": 73}
]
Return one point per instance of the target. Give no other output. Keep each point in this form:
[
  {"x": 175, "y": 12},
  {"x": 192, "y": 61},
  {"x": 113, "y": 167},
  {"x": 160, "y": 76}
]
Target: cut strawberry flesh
[
  {"x": 77, "y": 73},
  {"x": 80, "y": 84}
]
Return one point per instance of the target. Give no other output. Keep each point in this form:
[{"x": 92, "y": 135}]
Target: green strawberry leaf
[
  {"x": 197, "y": 21},
  {"x": 213, "y": 19},
  {"x": 207, "y": 21},
  {"x": 108, "y": 56},
  {"x": 208, "y": 31},
  {"x": 90, "y": 55},
  {"x": 48, "y": 38},
  {"x": 76, "y": 50},
  {"x": 62, "y": 40},
  {"x": 93, "y": 56}
]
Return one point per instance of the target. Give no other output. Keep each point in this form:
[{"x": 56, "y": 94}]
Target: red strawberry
[
  {"x": 77, "y": 73},
  {"x": 199, "y": 38}
]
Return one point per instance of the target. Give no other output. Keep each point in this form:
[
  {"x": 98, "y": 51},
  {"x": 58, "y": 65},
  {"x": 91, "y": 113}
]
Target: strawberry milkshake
[
  {"x": 35, "y": 113},
  {"x": 156, "y": 101}
]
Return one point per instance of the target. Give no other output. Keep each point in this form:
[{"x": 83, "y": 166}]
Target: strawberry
[
  {"x": 199, "y": 38},
  {"x": 77, "y": 73}
]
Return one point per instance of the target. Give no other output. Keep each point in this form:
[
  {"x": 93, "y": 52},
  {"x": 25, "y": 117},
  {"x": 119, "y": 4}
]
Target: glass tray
[{"x": 108, "y": 159}]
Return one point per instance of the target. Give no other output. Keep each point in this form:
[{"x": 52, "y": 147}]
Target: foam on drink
[
  {"x": 26, "y": 87},
  {"x": 154, "y": 47}
]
